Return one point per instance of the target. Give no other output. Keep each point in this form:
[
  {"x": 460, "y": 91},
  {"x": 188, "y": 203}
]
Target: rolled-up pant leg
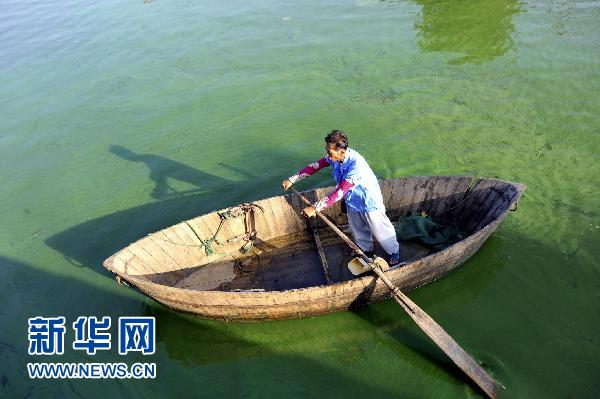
[
  {"x": 361, "y": 230},
  {"x": 383, "y": 230}
]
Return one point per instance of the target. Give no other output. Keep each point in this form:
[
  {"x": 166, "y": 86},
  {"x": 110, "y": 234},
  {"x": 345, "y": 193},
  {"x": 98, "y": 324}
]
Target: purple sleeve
[
  {"x": 335, "y": 196},
  {"x": 309, "y": 170}
]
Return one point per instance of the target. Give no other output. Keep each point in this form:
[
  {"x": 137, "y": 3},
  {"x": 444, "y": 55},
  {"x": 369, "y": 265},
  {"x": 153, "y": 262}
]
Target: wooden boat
[{"x": 264, "y": 260}]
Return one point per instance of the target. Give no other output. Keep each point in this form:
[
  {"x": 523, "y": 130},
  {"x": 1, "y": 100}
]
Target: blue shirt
[{"x": 365, "y": 196}]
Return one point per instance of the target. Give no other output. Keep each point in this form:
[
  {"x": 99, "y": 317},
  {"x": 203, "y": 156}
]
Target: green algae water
[{"x": 120, "y": 118}]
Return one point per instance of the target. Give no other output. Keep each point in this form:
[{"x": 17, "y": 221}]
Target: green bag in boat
[{"x": 421, "y": 227}]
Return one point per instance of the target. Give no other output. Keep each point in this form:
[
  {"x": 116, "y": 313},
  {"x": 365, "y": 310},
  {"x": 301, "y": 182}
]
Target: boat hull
[{"x": 327, "y": 298}]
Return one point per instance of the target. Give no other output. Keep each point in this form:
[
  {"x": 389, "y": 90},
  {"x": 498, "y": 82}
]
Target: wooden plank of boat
[
  {"x": 322, "y": 256},
  {"x": 279, "y": 274}
]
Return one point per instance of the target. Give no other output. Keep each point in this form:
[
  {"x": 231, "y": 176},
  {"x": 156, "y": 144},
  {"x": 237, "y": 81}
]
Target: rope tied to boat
[{"x": 243, "y": 210}]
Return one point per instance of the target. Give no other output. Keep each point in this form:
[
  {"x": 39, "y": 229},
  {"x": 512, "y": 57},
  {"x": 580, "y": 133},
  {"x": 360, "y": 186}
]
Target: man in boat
[{"x": 357, "y": 184}]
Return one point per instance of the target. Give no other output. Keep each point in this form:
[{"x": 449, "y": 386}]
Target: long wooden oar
[{"x": 446, "y": 343}]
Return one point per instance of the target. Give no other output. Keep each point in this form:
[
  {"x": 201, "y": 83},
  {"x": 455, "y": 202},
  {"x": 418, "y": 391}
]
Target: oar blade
[{"x": 446, "y": 343}]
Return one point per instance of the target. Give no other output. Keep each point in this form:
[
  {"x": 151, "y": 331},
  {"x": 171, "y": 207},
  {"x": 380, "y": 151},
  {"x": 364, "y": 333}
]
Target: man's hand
[
  {"x": 310, "y": 211},
  {"x": 286, "y": 184}
]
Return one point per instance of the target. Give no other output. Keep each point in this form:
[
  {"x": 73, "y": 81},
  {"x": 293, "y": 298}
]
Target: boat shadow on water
[
  {"x": 162, "y": 170},
  {"x": 89, "y": 243}
]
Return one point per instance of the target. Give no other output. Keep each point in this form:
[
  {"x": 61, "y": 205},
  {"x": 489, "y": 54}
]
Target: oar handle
[{"x": 343, "y": 236}]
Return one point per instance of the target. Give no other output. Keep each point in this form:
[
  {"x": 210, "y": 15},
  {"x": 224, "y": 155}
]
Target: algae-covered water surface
[{"x": 121, "y": 118}]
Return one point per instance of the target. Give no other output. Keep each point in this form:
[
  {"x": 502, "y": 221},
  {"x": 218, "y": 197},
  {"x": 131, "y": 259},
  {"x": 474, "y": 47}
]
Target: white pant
[{"x": 365, "y": 225}]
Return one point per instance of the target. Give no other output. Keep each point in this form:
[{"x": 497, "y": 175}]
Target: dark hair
[{"x": 338, "y": 139}]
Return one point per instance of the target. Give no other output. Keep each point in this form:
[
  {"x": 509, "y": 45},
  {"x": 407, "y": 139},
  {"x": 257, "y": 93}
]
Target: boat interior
[{"x": 268, "y": 245}]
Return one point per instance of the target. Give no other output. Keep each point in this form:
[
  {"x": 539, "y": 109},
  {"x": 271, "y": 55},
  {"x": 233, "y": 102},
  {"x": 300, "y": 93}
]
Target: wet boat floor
[{"x": 285, "y": 263}]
